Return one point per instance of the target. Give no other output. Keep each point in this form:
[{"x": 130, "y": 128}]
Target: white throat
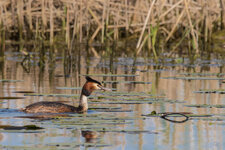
[{"x": 83, "y": 102}]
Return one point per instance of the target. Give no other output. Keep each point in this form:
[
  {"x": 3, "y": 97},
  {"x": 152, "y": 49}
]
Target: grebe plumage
[{"x": 57, "y": 107}]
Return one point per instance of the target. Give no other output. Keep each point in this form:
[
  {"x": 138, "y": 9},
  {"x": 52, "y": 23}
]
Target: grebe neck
[{"x": 83, "y": 104}]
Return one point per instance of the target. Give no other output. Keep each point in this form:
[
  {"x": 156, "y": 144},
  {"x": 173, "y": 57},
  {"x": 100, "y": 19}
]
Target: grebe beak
[{"x": 104, "y": 88}]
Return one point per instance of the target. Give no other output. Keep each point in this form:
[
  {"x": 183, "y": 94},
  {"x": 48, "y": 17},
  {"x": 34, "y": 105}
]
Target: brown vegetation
[{"x": 144, "y": 21}]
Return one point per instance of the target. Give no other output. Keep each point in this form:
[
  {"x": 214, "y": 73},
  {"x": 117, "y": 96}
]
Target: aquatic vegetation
[
  {"x": 120, "y": 130},
  {"x": 8, "y": 80},
  {"x": 111, "y": 75},
  {"x": 127, "y": 82},
  {"x": 120, "y": 102},
  {"x": 115, "y": 115},
  {"x": 133, "y": 99},
  {"x": 208, "y": 91},
  {"x": 25, "y": 127},
  {"x": 202, "y": 74},
  {"x": 209, "y": 118},
  {"x": 69, "y": 88},
  {"x": 77, "y": 145},
  {"x": 127, "y": 94},
  {"x": 192, "y": 78},
  {"x": 182, "y": 116},
  {"x": 23, "y": 92},
  {"x": 109, "y": 109},
  {"x": 51, "y": 95},
  {"x": 205, "y": 106},
  {"x": 11, "y": 98},
  {"x": 64, "y": 145}
]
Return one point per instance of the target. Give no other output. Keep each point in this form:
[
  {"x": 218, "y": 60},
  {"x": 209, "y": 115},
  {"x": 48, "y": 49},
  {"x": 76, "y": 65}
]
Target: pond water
[{"x": 119, "y": 119}]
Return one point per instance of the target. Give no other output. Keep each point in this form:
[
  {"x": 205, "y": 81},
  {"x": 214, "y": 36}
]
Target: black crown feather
[{"x": 89, "y": 79}]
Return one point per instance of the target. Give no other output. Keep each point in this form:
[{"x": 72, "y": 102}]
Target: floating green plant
[
  {"x": 206, "y": 91},
  {"x": 205, "y": 106},
  {"x": 69, "y": 88},
  {"x": 44, "y": 116},
  {"x": 26, "y": 127},
  {"x": 203, "y": 74},
  {"x": 23, "y": 92},
  {"x": 120, "y": 102},
  {"x": 110, "y": 75},
  {"x": 74, "y": 145},
  {"x": 176, "y": 114},
  {"x": 100, "y": 107},
  {"x": 209, "y": 118},
  {"x": 25, "y": 147},
  {"x": 108, "y": 109},
  {"x": 127, "y": 82},
  {"x": 186, "y": 115},
  {"x": 51, "y": 95},
  {"x": 217, "y": 123},
  {"x": 8, "y": 80},
  {"x": 199, "y": 115},
  {"x": 12, "y": 98},
  {"x": 93, "y": 121},
  {"x": 192, "y": 78},
  {"x": 132, "y": 100},
  {"x": 119, "y": 93},
  {"x": 129, "y": 131}
]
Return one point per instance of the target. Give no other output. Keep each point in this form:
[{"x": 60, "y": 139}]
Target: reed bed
[{"x": 151, "y": 24}]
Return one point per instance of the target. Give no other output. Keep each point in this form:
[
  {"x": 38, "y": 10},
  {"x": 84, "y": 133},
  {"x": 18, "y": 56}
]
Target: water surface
[{"x": 114, "y": 124}]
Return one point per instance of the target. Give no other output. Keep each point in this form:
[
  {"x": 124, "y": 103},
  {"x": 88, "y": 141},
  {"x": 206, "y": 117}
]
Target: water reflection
[
  {"x": 90, "y": 136},
  {"x": 63, "y": 69}
]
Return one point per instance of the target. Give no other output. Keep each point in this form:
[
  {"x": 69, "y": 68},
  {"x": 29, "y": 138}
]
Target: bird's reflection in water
[{"x": 90, "y": 136}]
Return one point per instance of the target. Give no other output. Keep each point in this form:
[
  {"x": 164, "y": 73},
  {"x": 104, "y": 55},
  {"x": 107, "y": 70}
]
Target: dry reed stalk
[
  {"x": 126, "y": 15},
  {"x": 20, "y": 18},
  {"x": 29, "y": 14},
  {"x": 75, "y": 24},
  {"x": 191, "y": 26},
  {"x": 1, "y": 18},
  {"x": 2, "y": 40},
  {"x": 44, "y": 21},
  {"x": 36, "y": 29},
  {"x": 20, "y": 12},
  {"x": 51, "y": 22},
  {"x": 222, "y": 5},
  {"x": 142, "y": 44},
  {"x": 134, "y": 17},
  {"x": 67, "y": 27},
  {"x": 94, "y": 16},
  {"x": 80, "y": 23},
  {"x": 186, "y": 33},
  {"x": 103, "y": 21},
  {"x": 94, "y": 52},
  {"x": 170, "y": 9},
  {"x": 116, "y": 32},
  {"x": 107, "y": 19},
  {"x": 175, "y": 25},
  {"x": 112, "y": 16},
  {"x": 149, "y": 39},
  {"x": 205, "y": 22},
  {"x": 95, "y": 34},
  {"x": 146, "y": 20}
]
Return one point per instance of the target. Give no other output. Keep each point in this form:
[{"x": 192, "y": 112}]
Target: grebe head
[{"x": 92, "y": 85}]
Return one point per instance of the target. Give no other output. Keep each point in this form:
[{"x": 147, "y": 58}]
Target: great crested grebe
[{"x": 57, "y": 107}]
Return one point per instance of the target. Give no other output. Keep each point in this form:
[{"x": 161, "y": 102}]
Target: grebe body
[{"x": 57, "y": 107}]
